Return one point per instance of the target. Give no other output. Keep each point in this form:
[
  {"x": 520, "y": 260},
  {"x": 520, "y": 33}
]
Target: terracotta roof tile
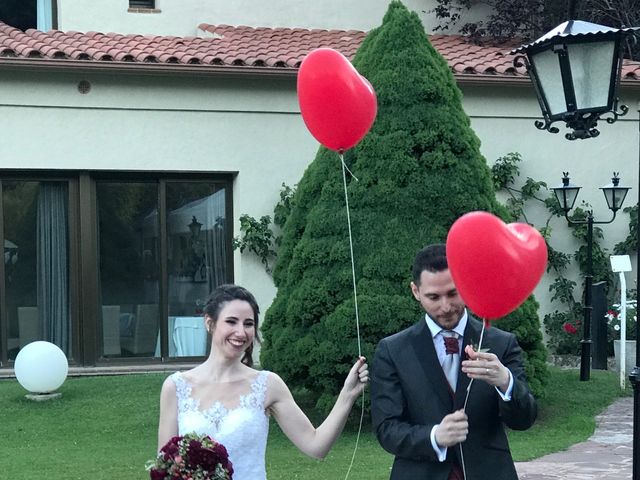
[{"x": 242, "y": 46}]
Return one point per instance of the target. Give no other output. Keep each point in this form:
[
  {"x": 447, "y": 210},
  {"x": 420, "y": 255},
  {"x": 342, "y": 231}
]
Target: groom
[{"x": 419, "y": 383}]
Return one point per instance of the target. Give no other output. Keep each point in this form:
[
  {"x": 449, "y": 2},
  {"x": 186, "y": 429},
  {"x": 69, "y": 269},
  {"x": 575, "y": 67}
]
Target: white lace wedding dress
[{"x": 242, "y": 430}]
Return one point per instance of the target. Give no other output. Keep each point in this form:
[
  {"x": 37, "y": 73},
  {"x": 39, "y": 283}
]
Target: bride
[{"x": 227, "y": 399}]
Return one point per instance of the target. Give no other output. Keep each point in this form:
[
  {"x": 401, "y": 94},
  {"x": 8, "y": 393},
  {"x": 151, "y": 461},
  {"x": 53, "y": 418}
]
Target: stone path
[{"x": 607, "y": 455}]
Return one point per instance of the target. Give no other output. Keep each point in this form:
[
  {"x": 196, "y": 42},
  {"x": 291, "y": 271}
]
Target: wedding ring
[{"x": 486, "y": 371}]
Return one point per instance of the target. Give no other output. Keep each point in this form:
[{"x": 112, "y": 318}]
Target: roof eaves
[
  {"x": 144, "y": 68},
  {"x": 147, "y": 68}
]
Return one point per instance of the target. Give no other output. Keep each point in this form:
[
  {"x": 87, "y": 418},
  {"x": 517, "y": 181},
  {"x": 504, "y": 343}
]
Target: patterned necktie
[{"x": 451, "y": 363}]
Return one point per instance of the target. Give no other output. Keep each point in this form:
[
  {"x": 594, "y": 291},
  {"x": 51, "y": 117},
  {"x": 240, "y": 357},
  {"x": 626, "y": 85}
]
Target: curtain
[
  {"x": 45, "y": 15},
  {"x": 52, "y": 270},
  {"x": 215, "y": 241}
]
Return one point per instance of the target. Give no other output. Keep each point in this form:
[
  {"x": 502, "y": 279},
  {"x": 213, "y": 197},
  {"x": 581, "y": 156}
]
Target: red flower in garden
[{"x": 570, "y": 328}]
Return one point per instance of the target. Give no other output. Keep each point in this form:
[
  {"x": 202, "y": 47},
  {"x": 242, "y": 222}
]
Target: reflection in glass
[
  {"x": 128, "y": 260},
  {"x": 36, "y": 256},
  {"x": 197, "y": 260}
]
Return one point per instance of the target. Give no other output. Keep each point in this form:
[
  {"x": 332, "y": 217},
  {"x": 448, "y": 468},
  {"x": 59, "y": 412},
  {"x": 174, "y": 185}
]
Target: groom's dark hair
[{"x": 432, "y": 258}]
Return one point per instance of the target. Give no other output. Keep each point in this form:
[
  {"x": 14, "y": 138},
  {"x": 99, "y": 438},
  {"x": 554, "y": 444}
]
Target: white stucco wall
[
  {"x": 253, "y": 127},
  {"x": 182, "y": 17}
]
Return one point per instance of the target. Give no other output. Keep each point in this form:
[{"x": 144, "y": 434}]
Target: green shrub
[{"x": 419, "y": 169}]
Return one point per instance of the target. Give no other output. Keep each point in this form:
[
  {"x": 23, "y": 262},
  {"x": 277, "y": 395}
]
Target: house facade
[{"x": 127, "y": 159}]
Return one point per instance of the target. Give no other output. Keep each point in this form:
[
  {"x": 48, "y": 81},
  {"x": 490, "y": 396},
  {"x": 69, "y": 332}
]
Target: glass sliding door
[
  {"x": 36, "y": 259},
  {"x": 197, "y": 260},
  {"x": 128, "y": 259},
  {"x": 112, "y": 267}
]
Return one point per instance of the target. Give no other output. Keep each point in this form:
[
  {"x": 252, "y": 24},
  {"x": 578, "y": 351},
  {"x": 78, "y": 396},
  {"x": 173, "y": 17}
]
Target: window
[
  {"x": 162, "y": 247},
  {"x": 112, "y": 267},
  {"x": 142, "y": 3},
  {"x": 21, "y": 14},
  {"x": 36, "y": 264}
]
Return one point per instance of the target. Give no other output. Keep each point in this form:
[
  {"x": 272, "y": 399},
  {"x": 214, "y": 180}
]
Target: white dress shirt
[{"x": 435, "y": 330}]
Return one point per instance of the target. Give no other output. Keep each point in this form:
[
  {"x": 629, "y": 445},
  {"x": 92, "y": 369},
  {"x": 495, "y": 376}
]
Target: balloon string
[
  {"x": 355, "y": 297},
  {"x": 353, "y": 266},
  {"x": 344, "y": 165},
  {"x": 464, "y": 408}
]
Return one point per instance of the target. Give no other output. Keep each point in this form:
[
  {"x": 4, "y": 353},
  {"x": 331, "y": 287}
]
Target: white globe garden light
[{"x": 41, "y": 367}]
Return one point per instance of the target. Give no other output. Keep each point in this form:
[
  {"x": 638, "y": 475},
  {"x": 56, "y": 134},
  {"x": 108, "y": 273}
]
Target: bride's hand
[{"x": 357, "y": 378}]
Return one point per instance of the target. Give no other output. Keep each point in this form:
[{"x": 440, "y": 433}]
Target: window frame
[
  {"x": 83, "y": 257},
  {"x": 74, "y": 266},
  {"x": 148, "y": 4}
]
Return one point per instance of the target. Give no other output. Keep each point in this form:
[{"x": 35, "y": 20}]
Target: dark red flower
[
  {"x": 157, "y": 474},
  {"x": 221, "y": 453},
  {"x": 207, "y": 458},
  {"x": 570, "y": 328},
  {"x": 171, "y": 448}
]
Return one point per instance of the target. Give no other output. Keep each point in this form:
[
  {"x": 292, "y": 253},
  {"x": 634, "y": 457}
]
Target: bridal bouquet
[{"x": 194, "y": 457}]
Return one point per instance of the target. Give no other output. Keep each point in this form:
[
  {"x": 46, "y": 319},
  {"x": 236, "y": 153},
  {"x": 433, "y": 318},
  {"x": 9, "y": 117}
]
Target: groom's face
[{"x": 438, "y": 296}]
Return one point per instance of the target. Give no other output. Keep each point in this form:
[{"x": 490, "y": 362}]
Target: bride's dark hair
[{"x": 226, "y": 293}]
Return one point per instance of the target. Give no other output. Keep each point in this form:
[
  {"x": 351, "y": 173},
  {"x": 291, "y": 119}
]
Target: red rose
[{"x": 570, "y": 328}]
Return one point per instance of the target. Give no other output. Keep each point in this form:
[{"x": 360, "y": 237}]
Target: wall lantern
[{"x": 575, "y": 70}]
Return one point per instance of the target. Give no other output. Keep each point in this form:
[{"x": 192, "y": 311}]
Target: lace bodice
[{"x": 242, "y": 430}]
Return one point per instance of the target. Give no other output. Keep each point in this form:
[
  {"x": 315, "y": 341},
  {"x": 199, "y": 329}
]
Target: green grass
[{"x": 105, "y": 428}]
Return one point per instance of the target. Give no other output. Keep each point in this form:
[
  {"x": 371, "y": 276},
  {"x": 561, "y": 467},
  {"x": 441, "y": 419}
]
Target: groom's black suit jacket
[{"x": 410, "y": 394}]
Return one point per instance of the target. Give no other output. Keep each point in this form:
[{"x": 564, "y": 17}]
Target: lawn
[{"x": 105, "y": 428}]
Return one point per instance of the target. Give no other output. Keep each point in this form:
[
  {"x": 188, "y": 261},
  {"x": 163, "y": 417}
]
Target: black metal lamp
[
  {"x": 575, "y": 70},
  {"x": 614, "y": 193},
  {"x": 566, "y": 195}
]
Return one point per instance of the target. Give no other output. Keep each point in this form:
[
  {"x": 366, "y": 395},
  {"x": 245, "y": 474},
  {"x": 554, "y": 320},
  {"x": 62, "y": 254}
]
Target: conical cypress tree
[{"x": 418, "y": 170}]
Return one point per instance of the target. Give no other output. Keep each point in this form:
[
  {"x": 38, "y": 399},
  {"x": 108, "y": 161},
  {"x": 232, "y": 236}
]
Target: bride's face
[{"x": 234, "y": 330}]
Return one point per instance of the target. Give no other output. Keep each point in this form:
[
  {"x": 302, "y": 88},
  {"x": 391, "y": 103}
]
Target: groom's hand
[
  {"x": 452, "y": 429},
  {"x": 487, "y": 367}
]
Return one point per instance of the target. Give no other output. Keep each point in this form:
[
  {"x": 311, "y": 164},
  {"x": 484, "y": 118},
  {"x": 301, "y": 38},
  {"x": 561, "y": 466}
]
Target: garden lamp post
[
  {"x": 566, "y": 195},
  {"x": 575, "y": 70}
]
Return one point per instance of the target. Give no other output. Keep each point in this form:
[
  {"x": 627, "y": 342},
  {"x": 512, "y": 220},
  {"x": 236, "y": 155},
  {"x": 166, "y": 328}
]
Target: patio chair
[
  {"x": 111, "y": 330},
  {"x": 145, "y": 331},
  {"x": 28, "y": 327}
]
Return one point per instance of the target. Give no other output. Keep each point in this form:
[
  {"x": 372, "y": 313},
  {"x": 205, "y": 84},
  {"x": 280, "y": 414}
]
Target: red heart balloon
[
  {"x": 338, "y": 104},
  {"x": 494, "y": 266}
]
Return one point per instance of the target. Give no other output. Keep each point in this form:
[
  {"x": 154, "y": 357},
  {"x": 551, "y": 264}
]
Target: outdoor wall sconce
[{"x": 575, "y": 71}]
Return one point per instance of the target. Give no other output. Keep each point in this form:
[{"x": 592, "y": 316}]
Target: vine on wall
[{"x": 259, "y": 236}]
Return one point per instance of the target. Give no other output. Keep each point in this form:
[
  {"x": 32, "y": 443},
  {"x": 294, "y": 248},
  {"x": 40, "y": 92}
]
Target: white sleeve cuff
[
  {"x": 507, "y": 395},
  {"x": 441, "y": 452}
]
